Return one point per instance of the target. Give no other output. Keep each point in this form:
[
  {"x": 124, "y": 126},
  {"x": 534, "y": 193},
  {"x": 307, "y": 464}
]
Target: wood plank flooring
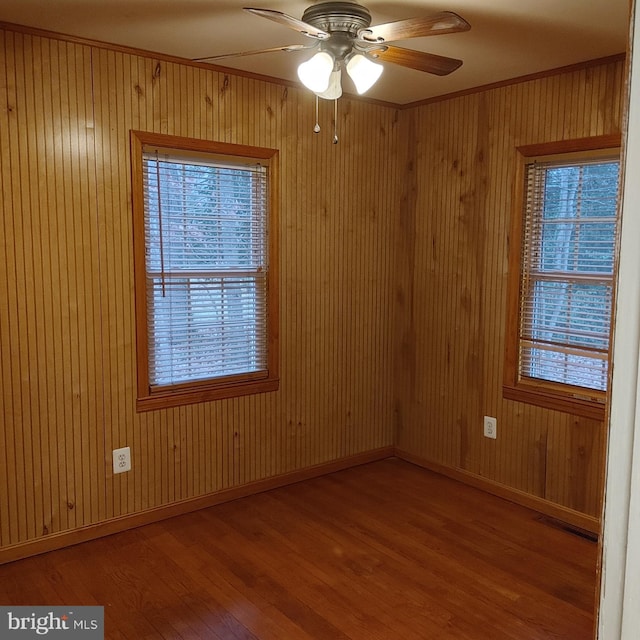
[{"x": 381, "y": 551}]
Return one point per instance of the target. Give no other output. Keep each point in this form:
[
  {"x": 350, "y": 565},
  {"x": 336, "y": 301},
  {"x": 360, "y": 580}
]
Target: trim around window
[
  {"x": 154, "y": 389},
  {"x": 559, "y": 396}
]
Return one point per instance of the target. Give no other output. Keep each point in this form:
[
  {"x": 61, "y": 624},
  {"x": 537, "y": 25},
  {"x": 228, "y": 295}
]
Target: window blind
[
  {"x": 567, "y": 271},
  {"x": 206, "y": 268}
]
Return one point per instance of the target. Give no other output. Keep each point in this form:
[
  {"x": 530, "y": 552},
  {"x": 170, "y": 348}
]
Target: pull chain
[
  {"x": 316, "y": 129},
  {"x": 335, "y": 121}
]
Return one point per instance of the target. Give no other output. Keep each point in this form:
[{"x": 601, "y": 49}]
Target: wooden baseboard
[
  {"x": 101, "y": 529},
  {"x": 564, "y": 514}
]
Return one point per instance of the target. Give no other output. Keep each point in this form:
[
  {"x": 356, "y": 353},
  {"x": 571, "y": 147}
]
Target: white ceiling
[{"x": 508, "y": 38}]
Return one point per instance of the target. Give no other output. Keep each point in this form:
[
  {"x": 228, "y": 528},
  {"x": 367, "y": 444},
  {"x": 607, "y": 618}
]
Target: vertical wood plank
[{"x": 465, "y": 158}]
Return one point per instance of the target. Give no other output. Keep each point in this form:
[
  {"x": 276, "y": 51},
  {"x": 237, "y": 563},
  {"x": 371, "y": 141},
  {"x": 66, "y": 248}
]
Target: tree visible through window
[
  {"x": 204, "y": 222},
  {"x": 567, "y": 248}
]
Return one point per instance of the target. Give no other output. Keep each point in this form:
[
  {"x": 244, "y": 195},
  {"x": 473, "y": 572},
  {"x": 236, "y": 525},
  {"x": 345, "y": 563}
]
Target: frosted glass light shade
[
  {"x": 316, "y": 72},
  {"x": 363, "y": 72},
  {"x": 334, "y": 90}
]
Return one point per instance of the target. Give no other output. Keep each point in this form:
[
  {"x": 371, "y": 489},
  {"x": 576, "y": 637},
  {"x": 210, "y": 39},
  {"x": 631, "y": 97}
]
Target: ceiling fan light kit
[
  {"x": 322, "y": 74},
  {"x": 334, "y": 90},
  {"x": 315, "y": 73},
  {"x": 364, "y": 72},
  {"x": 345, "y": 38}
]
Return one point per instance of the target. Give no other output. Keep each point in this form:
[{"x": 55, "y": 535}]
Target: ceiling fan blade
[
  {"x": 289, "y": 47},
  {"x": 437, "y": 24},
  {"x": 428, "y": 62},
  {"x": 293, "y": 23}
]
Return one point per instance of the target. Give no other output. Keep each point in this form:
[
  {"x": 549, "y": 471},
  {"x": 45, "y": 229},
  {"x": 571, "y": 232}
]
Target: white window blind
[
  {"x": 206, "y": 268},
  {"x": 567, "y": 271}
]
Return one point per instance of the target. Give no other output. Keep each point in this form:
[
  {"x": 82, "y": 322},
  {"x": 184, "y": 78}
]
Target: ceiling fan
[{"x": 344, "y": 38}]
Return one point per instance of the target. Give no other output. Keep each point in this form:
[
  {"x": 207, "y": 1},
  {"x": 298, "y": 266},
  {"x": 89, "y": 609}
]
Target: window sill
[
  {"x": 559, "y": 402},
  {"x": 168, "y": 399}
]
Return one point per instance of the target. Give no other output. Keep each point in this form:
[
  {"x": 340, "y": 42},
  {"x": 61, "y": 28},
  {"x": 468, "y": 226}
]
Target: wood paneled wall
[
  {"x": 392, "y": 286},
  {"x": 451, "y": 339},
  {"x": 67, "y": 352}
]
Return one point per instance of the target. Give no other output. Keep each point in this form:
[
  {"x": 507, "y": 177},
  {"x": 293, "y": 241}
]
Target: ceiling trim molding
[
  {"x": 578, "y": 66},
  {"x": 43, "y": 33}
]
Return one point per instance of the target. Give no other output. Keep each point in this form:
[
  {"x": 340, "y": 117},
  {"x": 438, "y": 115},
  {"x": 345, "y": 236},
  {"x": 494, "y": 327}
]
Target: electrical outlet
[
  {"x": 490, "y": 427},
  {"x": 121, "y": 460}
]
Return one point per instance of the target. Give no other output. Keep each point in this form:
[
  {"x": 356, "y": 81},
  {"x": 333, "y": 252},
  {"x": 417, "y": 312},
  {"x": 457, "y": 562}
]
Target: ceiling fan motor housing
[{"x": 347, "y": 17}]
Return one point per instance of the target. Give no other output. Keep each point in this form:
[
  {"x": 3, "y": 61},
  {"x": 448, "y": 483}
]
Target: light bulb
[
  {"x": 316, "y": 72},
  {"x": 363, "y": 72},
  {"x": 334, "y": 90}
]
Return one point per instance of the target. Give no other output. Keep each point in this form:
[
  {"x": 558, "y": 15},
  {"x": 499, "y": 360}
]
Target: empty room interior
[{"x": 282, "y": 361}]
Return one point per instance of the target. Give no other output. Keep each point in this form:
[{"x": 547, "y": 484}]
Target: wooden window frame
[
  {"x": 552, "y": 395},
  {"x": 149, "y": 398}
]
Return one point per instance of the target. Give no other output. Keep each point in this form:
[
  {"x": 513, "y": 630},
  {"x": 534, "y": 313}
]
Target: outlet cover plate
[
  {"x": 490, "y": 427},
  {"x": 121, "y": 460}
]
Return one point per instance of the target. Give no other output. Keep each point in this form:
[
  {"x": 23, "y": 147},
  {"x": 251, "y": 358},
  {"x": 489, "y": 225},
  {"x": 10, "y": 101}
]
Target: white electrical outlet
[
  {"x": 121, "y": 460},
  {"x": 490, "y": 427}
]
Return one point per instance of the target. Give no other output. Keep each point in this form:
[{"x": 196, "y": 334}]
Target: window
[
  {"x": 204, "y": 249},
  {"x": 562, "y": 276}
]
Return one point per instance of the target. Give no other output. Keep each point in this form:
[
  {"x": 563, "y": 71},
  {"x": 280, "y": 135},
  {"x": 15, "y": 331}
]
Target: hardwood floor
[{"x": 382, "y": 551}]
